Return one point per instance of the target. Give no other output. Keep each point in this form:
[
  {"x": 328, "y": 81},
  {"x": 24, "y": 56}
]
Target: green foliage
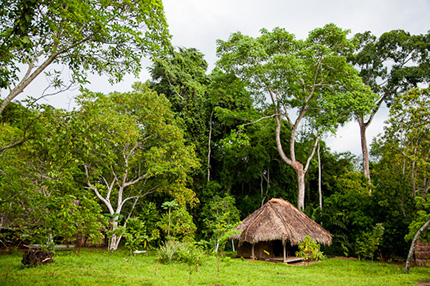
[
  {"x": 190, "y": 253},
  {"x": 142, "y": 147},
  {"x": 181, "y": 77},
  {"x": 168, "y": 251},
  {"x": 169, "y": 205},
  {"x": 370, "y": 241},
  {"x": 187, "y": 252},
  {"x": 221, "y": 215},
  {"x": 38, "y": 188},
  {"x": 421, "y": 217},
  {"x": 276, "y": 63},
  {"x": 347, "y": 213},
  {"x": 182, "y": 227},
  {"x": 311, "y": 76},
  {"x": 134, "y": 234},
  {"x": 402, "y": 170},
  {"x": 149, "y": 215},
  {"x": 93, "y": 36},
  {"x": 393, "y": 63},
  {"x": 309, "y": 250}
]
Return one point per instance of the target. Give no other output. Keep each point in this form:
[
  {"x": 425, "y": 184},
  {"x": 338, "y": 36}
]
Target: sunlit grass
[{"x": 98, "y": 267}]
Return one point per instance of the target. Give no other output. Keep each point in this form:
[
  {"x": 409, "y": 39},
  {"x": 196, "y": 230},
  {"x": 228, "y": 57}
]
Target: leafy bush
[
  {"x": 421, "y": 217},
  {"x": 370, "y": 242},
  {"x": 135, "y": 234},
  {"x": 168, "y": 251},
  {"x": 187, "y": 252},
  {"x": 309, "y": 250},
  {"x": 181, "y": 226},
  {"x": 348, "y": 213},
  {"x": 190, "y": 253}
]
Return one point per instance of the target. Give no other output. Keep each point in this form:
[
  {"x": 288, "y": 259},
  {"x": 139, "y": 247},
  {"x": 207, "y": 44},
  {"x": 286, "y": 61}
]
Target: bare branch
[
  {"x": 312, "y": 154},
  {"x": 126, "y": 184},
  {"x": 258, "y": 120},
  {"x": 315, "y": 79},
  {"x": 90, "y": 186},
  {"x": 14, "y": 144}
]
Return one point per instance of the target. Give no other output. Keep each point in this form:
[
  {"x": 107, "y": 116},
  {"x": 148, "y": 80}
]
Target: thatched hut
[{"x": 277, "y": 223}]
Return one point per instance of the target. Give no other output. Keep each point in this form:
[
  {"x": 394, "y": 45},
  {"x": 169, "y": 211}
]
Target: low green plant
[
  {"x": 178, "y": 225},
  {"x": 168, "y": 251},
  {"x": 370, "y": 242},
  {"x": 309, "y": 250},
  {"x": 190, "y": 253},
  {"x": 135, "y": 234},
  {"x": 187, "y": 252}
]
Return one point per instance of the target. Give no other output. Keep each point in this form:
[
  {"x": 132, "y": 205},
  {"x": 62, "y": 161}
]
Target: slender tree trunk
[
  {"x": 301, "y": 186},
  {"x": 209, "y": 145},
  {"x": 114, "y": 241},
  {"x": 168, "y": 229},
  {"x": 413, "y": 180},
  {"x": 426, "y": 186},
  {"x": 414, "y": 241},
  {"x": 365, "y": 151},
  {"x": 319, "y": 177}
]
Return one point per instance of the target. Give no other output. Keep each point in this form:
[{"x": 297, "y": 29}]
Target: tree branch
[
  {"x": 258, "y": 120},
  {"x": 90, "y": 186},
  {"x": 312, "y": 154}
]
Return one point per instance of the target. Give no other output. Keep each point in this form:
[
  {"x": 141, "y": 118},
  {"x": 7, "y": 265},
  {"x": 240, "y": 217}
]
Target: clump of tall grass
[{"x": 186, "y": 252}]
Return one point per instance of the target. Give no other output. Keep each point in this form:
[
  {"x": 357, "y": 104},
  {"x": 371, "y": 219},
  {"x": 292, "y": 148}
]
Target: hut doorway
[{"x": 278, "y": 249}]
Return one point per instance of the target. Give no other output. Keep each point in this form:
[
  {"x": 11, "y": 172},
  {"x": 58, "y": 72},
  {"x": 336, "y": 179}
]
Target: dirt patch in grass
[{"x": 343, "y": 258}]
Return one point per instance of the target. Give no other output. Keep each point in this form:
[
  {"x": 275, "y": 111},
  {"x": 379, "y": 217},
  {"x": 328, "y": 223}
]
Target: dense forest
[{"x": 191, "y": 152}]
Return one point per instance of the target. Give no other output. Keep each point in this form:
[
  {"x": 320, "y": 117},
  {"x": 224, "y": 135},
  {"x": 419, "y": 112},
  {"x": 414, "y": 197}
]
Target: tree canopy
[
  {"x": 308, "y": 77},
  {"x": 95, "y": 36}
]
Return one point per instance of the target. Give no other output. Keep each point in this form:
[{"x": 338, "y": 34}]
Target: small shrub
[
  {"x": 168, "y": 251},
  {"x": 187, "y": 252},
  {"x": 135, "y": 234},
  {"x": 309, "y": 250},
  {"x": 190, "y": 253},
  {"x": 370, "y": 242}
]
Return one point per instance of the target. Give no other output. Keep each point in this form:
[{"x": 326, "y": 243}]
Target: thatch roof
[{"x": 279, "y": 220}]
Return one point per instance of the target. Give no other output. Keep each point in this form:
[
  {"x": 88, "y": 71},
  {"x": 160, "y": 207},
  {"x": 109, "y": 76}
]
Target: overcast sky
[{"x": 199, "y": 23}]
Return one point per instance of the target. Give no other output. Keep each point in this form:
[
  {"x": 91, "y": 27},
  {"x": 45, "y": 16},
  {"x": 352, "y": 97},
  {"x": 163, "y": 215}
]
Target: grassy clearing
[{"x": 97, "y": 267}]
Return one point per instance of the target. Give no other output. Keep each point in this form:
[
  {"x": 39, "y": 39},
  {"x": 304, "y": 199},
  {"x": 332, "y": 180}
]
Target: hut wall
[
  {"x": 422, "y": 253},
  {"x": 263, "y": 246},
  {"x": 245, "y": 250}
]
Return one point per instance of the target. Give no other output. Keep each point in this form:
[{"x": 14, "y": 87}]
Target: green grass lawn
[{"x": 97, "y": 267}]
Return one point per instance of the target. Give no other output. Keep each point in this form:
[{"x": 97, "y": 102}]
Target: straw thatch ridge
[{"x": 280, "y": 220}]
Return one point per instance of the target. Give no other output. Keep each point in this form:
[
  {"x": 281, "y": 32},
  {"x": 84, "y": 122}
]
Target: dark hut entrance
[
  {"x": 274, "y": 231},
  {"x": 267, "y": 250},
  {"x": 278, "y": 249}
]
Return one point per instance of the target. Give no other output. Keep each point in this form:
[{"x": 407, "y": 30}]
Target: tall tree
[
  {"x": 310, "y": 78},
  {"x": 391, "y": 64},
  {"x": 104, "y": 37},
  {"x": 130, "y": 145},
  {"x": 40, "y": 198},
  {"x": 406, "y": 140},
  {"x": 181, "y": 76}
]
